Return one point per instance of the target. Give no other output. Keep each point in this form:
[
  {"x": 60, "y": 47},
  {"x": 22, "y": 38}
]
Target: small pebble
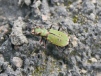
[
  {"x": 92, "y": 16},
  {"x": 94, "y": 1},
  {"x": 74, "y": 41},
  {"x": 1, "y": 58},
  {"x": 93, "y": 59},
  {"x": 44, "y": 17},
  {"x": 27, "y": 2},
  {"x": 83, "y": 71},
  {"x": 17, "y": 62}
]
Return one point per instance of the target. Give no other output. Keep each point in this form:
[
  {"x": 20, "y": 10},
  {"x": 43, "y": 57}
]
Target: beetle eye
[{"x": 32, "y": 32}]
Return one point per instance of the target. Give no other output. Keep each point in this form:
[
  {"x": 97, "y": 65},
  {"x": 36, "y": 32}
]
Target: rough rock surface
[
  {"x": 21, "y": 53},
  {"x": 17, "y": 37}
]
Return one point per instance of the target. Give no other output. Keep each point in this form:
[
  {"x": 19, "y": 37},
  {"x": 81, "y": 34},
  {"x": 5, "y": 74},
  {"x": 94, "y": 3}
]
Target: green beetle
[{"x": 54, "y": 36}]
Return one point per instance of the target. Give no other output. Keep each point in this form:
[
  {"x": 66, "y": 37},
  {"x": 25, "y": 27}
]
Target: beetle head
[{"x": 35, "y": 31}]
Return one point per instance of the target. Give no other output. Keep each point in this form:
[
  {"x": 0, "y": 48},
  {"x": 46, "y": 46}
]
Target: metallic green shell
[
  {"x": 37, "y": 30},
  {"x": 58, "y": 38},
  {"x": 41, "y": 31}
]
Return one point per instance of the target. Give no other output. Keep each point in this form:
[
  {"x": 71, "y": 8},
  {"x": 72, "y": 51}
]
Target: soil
[{"x": 22, "y": 53}]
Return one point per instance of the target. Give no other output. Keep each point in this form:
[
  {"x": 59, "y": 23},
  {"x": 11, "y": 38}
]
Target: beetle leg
[
  {"x": 50, "y": 27},
  {"x": 60, "y": 49},
  {"x": 37, "y": 26},
  {"x": 40, "y": 41},
  {"x": 57, "y": 48},
  {"x": 64, "y": 48},
  {"x": 44, "y": 43},
  {"x": 41, "y": 27},
  {"x": 58, "y": 28},
  {"x": 27, "y": 16}
]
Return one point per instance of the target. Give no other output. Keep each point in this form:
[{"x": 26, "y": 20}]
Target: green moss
[
  {"x": 67, "y": 3},
  {"x": 38, "y": 71},
  {"x": 89, "y": 61},
  {"x": 96, "y": 19},
  {"x": 52, "y": 67},
  {"x": 75, "y": 19},
  {"x": 86, "y": 29},
  {"x": 73, "y": 53},
  {"x": 79, "y": 18}
]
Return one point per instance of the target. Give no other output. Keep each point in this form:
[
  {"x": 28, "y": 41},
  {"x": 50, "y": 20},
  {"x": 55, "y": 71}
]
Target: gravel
[{"x": 21, "y": 53}]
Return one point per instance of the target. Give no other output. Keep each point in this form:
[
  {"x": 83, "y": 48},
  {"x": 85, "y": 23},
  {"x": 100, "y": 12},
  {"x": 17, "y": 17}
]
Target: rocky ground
[{"x": 21, "y": 53}]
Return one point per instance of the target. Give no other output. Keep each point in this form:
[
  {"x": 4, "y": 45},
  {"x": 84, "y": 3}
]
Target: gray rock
[
  {"x": 88, "y": 7},
  {"x": 21, "y": 2},
  {"x": 9, "y": 71},
  {"x": 1, "y": 58},
  {"x": 17, "y": 36},
  {"x": 77, "y": 59},
  {"x": 3, "y": 74},
  {"x": 92, "y": 16},
  {"x": 61, "y": 11},
  {"x": 45, "y": 7},
  {"x": 17, "y": 62},
  {"x": 56, "y": 1},
  {"x": 96, "y": 66},
  {"x": 27, "y": 2},
  {"x": 18, "y": 72}
]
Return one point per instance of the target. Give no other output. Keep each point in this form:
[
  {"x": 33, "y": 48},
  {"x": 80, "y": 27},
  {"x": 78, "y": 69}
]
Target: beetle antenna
[
  {"x": 41, "y": 27},
  {"x": 58, "y": 28},
  {"x": 50, "y": 27}
]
